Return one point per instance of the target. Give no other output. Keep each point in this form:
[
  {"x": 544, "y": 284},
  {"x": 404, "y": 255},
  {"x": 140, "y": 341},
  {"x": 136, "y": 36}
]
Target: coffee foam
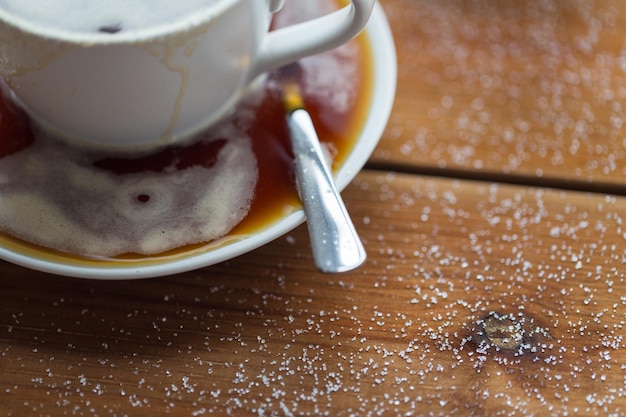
[
  {"x": 95, "y": 15},
  {"x": 54, "y": 196}
]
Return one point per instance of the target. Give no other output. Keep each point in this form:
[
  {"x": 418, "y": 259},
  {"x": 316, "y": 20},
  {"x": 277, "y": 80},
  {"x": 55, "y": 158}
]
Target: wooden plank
[
  {"x": 522, "y": 88},
  {"x": 477, "y": 299}
]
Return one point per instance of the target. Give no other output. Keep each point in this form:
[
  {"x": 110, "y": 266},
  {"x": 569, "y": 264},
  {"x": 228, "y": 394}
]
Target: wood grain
[
  {"x": 528, "y": 88},
  {"x": 478, "y": 299}
]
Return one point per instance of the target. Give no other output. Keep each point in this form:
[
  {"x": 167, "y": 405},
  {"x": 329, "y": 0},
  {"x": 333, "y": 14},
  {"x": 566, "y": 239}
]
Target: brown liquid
[{"x": 275, "y": 192}]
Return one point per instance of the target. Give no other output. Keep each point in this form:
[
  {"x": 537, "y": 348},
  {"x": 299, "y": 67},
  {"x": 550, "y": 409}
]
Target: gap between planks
[{"x": 596, "y": 187}]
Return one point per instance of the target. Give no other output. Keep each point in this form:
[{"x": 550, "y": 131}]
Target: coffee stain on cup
[
  {"x": 191, "y": 48},
  {"x": 167, "y": 54},
  {"x": 184, "y": 82},
  {"x": 14, "y": 43}
]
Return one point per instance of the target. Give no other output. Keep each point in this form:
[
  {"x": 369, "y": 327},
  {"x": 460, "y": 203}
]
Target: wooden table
[{"x": 493, "y": 213}]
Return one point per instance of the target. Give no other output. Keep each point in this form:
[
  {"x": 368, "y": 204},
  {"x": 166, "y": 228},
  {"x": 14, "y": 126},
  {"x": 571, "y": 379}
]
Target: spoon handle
[{"x": 335, "y": 243}]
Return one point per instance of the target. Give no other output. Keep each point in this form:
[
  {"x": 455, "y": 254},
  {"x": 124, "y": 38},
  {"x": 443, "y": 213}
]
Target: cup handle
[{"x": 294, "y": 42}]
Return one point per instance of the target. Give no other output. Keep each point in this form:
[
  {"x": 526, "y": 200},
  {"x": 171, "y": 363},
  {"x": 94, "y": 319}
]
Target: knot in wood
[{"x": 504, "y": 331}]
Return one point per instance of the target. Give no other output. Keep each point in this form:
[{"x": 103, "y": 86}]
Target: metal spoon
[{"x": 335, "y": 243}]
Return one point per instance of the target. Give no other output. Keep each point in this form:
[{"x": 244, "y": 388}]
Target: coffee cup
[{"x": 129, "y": 75}]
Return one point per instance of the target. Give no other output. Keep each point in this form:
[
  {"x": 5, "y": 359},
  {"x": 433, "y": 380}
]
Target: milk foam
[
  {"x": 53, "y": 196},
  {"x": 94, "y": 15}
]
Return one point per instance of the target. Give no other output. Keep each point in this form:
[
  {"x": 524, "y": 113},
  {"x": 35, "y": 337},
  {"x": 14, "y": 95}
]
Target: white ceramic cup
[{"x": 156, "y": 85}]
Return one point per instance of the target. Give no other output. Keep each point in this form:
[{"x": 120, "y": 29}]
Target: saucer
[{"x": 380, "y": 42}]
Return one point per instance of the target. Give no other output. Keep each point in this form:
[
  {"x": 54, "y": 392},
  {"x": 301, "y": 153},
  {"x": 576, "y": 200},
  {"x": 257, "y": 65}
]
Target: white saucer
[{"x": 383, "y": 52}]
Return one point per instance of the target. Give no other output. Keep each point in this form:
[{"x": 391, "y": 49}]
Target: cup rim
[{"x": 189, "y": 23}]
